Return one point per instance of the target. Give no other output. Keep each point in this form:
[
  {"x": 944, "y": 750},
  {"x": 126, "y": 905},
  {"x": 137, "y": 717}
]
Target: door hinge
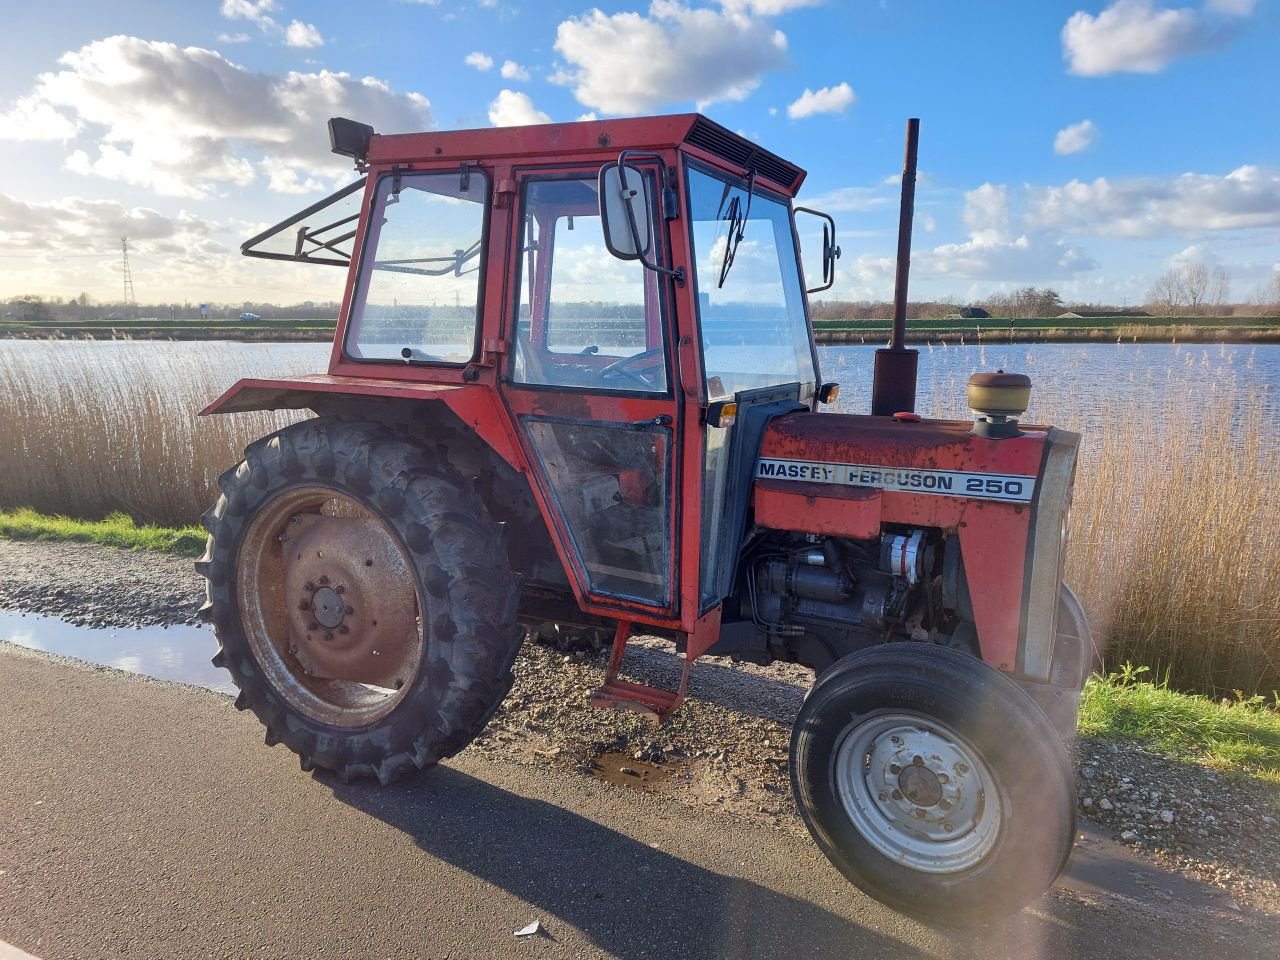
[{"x": 505, "y": 191}]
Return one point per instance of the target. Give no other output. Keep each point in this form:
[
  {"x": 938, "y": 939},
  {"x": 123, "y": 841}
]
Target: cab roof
[{"x": 607, "y": 137}]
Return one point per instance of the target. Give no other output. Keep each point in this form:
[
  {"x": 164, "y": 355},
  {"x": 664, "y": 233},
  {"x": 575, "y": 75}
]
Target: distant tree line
[{"x": 84, "y": 308}]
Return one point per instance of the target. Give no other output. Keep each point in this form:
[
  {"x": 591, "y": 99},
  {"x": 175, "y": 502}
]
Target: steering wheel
[{"x": 623, "y": 369}]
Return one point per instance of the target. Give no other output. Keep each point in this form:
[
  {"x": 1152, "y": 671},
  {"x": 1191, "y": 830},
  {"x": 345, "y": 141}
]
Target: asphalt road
[{"x": 145, "y": 820}]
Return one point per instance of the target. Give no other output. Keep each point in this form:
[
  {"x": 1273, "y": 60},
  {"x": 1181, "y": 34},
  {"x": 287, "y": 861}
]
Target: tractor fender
[{"x": 477, "y": 406}]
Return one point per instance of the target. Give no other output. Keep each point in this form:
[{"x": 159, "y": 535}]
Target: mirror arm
[
  {"x": 830, "y": 254},
  {"x": 678, "y": 273}
]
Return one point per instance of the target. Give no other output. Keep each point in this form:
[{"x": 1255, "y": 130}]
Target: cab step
[{"x": 618, "y": 694}]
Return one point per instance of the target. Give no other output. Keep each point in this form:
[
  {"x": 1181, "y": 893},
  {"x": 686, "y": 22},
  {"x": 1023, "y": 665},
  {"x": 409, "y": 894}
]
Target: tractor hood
[{"x": 1006, "y": 499}]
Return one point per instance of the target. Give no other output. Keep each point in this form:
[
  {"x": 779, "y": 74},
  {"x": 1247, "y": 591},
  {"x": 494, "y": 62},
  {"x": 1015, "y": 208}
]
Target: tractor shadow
[{"x": 627, "y": 897}]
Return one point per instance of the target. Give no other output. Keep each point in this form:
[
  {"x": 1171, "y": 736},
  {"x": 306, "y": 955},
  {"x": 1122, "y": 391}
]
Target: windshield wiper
[{"x": 737, "y": 227}]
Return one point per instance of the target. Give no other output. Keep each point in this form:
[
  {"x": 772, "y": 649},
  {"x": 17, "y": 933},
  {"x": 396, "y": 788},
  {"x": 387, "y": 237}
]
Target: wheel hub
[
  {"x": 920, "y": 785},
  {"x": 328, "y": 607},
  {"x": 352, "y": 602}
]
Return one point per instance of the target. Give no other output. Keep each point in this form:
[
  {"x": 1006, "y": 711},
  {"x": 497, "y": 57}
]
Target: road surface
[{"x": 143, "y": 819}]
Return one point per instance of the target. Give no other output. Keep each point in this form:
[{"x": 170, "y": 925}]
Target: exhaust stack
[{"x": 893, "y": 385}]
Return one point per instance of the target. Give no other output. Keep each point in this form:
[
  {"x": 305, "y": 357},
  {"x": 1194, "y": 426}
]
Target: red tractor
[{"x": 574, "y": 382}]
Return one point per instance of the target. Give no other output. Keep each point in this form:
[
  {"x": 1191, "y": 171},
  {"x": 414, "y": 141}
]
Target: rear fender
[{"x": 476, "y": 406}]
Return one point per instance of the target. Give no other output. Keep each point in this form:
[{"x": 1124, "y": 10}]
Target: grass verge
[
  {"x": 117, "y": 530},
  {"x": 1237, "y": 736}
]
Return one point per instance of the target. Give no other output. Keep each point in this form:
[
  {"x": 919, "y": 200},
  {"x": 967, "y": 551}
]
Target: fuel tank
[{"x": 1006, "y": 499}]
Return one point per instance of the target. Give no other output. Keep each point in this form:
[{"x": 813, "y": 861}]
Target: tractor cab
[{"x": 621, "y": 337}]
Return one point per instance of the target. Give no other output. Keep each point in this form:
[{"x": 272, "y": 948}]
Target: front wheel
[{"x": 933, "y": 783}]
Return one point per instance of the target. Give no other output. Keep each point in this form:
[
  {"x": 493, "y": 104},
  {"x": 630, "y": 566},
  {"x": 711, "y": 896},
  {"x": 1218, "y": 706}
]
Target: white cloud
[
  {"x": 1075, "y": 137},
  {"x": 233, "y": 38},
  {"x": 846, "y": 200},
  {"x": 513, "y": 71},
  {"x": 513, "y": 109},
  {"x": 631, "y": 63},
  {"x": 481, "y": 61},
  {"x": 589, "y": 115},
  {"x": 1246, "y": 198},
  {"x": 1136, "y": 36},
  {"x": 986, "y": 212},
  {"x": 32, "y": 118},
  {"x": 767, "y": 8},
  {"x": 1234, "y": 8},
  {"x": 835, "y": 99},
  {"x": 187, "y": 121},
  {"x": 255, "y": 11},
  {"x": 304, "y": 35}
]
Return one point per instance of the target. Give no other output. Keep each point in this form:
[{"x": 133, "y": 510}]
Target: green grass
[
  {"x": 1237, "y": 736},
  {"x": 117, "y": 530}
]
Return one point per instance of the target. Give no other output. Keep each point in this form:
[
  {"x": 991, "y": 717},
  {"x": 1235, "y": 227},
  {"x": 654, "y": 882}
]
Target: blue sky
[{"x": 1086, "y": 145}]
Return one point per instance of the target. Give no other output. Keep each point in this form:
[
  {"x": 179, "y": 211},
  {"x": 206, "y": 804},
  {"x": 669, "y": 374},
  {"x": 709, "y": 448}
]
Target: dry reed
[
  {"x": 119, "y": 432},
  {"x": 1175, "y": 528}
]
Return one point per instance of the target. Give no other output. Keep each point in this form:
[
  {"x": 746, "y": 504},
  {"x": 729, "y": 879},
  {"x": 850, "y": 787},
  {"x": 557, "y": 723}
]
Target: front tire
[
  {"x": 933, "y": 783},
  {"x": 361, "y": 596}
]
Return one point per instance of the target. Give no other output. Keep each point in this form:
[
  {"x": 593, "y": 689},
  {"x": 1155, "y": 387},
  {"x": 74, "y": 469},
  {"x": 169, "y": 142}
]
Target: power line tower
[{"x": 128, "y": 274}]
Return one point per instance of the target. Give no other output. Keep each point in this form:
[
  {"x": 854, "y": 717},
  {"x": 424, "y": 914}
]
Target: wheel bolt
[
  {"x": 309, "y": 587},
  {"x": 350, "y": 610},
  {"x": 894, "y": 768},
  {"x": 304, "y": 605},
  {"x": 920, "y": 814},
  {"x": 343, "y": 628},
  {"x": 944, "y": 804},
  {"x": 313, "y": 625},
  {"x": 897, "y": 794},
  {"x": 883, "y": 796},
  {"x": 962, "y": 768},
  {"x": 897, "y": 740},
  {"x": 948, "y": 826},
  {"x": 324, "y": 581},
  {"x": 328, "y": 634},
  {"x": 339, "y": 589},
  {"x": 943, "y": 778},
  {"x": 918, "y": 761}
]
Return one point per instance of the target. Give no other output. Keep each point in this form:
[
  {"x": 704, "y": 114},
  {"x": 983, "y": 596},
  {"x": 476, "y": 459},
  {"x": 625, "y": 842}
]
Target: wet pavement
[{"x": 179, "y": 653}]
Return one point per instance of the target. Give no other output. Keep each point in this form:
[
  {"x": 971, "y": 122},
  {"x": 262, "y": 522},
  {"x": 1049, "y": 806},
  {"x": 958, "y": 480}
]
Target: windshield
[
  {"x": 750, "y": 301},
  {"x": 418, "y": 293}
]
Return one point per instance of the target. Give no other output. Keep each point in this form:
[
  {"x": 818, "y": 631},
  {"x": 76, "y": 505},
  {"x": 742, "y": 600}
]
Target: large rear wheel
[
  {"x": 933, "y": 783},
  {"x": 361, "y": 596}
]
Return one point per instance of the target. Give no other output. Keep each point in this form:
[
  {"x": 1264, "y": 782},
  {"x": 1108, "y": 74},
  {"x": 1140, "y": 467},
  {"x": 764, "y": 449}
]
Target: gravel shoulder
[{"x": 726, "y": 749}]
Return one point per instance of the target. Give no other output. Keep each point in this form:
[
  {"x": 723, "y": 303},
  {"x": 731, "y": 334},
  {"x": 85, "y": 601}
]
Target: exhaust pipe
[{"x": 893, "y": 384}]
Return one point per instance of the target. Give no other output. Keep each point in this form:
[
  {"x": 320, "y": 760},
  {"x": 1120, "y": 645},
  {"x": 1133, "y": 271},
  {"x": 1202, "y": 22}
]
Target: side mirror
[
  {"x": 625, "y": 203},
  {"x": 830, "y": 252}
]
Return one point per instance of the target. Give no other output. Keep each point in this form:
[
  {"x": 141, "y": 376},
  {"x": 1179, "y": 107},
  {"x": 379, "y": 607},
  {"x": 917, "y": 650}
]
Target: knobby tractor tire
[
  {"x": 984, "y": 820},
  {"x": 455, "y": 555}
]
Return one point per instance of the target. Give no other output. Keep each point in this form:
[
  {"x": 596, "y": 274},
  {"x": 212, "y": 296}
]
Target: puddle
[
  {"x": 623, "y": 770},
  {"x": 167, "y": 653}
]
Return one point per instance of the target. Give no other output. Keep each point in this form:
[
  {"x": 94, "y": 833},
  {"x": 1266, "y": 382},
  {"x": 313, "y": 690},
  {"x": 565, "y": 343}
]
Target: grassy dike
[
  {"x": 1238, "y": 736},
  {"x": 117, "y": 530}
]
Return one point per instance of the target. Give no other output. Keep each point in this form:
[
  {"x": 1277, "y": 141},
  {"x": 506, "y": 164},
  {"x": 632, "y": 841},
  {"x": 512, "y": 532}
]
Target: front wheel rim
[{"x": 918, "y": 792}]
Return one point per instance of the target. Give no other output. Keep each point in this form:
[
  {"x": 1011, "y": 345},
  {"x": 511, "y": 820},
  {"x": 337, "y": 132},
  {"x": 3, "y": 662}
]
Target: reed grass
[
  {"x": 119, "y": 432},
  {"x": 1175, "y": 528}
]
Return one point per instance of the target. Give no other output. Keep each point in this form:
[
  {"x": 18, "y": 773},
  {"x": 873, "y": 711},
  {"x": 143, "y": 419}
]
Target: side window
[
  {"x": 418, "y": 293},
  {"x": 584, "y": 318}
]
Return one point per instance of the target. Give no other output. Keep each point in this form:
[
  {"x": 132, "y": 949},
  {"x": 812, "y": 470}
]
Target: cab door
[{"x": 590, "y": 386}]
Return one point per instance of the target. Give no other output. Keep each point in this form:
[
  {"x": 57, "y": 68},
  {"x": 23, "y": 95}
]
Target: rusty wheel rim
[{"x": 288, "y": 609}]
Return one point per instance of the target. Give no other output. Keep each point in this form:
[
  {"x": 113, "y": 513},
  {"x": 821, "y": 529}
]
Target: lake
[{"x": 1066, "y": 377}]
